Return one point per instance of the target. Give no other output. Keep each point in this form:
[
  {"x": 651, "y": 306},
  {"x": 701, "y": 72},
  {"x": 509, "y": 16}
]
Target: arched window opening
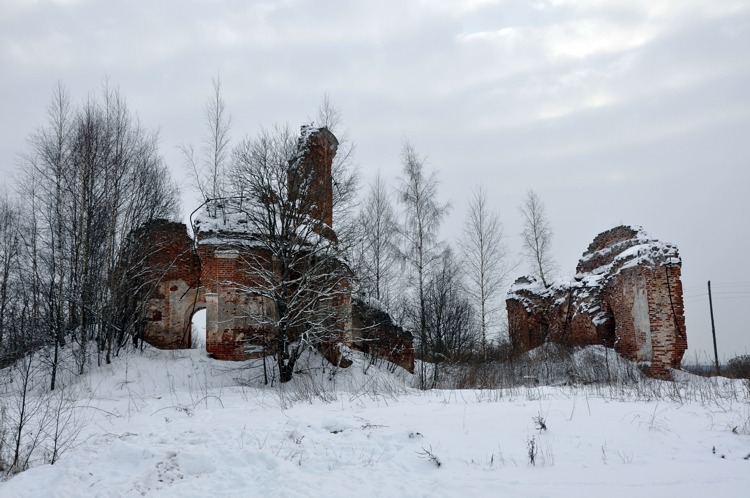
[{"x": 198, "y": 324}]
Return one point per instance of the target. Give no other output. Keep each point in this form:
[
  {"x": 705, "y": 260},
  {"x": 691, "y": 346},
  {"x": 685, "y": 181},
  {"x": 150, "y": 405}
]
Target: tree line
[
  {"x": 92, "y": 175},
  {"x": 450, "y": 298}
]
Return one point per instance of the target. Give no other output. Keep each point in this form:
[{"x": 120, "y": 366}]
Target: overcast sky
[{"x": 613, "y": 111}]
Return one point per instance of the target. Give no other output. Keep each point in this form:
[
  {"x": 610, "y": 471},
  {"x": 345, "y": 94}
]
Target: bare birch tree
[
  {"x": 376, "y": 257},
  {"x": 423, "y": 215},
  {"x": 451, "y": 323},
  {"x": 537, "y": 238},
  {"x": 208, "y": 166},
  {"x": 92, "y": 175},
  {"x": 10, "y": 252},
  {"x": 297, "y": 263},
  {"x": 486, "y": 262}
]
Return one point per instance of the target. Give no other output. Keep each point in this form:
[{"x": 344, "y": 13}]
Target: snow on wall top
[
  {"x": 226, "y": 222},
  {"x": 625, "y": 247},
  {"x": 222, "y": 221},
  {"x": 611, "y": 252},
  {"x": 307, "y": 132},
  {"x": 530, "y": 285}
]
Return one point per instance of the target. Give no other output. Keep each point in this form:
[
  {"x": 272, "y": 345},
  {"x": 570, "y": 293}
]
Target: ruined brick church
[
  {"x": 211, "y": 271},
  {"x": 627, "y": 295}
]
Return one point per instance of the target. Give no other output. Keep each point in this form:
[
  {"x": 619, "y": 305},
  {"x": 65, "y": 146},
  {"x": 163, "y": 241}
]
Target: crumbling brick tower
[
  {"x": 627, "y": 294},
  {"x": 238, "y": 322},
  {"x": 317, "y": 148}
]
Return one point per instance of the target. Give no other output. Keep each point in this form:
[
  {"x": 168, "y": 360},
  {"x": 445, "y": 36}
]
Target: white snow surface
[
  {"x": 224, "y": 216},
  {"x": 225, "y": 222},
  {"x": 179, "y": 424}
]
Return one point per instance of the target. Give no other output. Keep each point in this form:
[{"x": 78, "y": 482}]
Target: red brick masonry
[{"x": 627, "y": 294}]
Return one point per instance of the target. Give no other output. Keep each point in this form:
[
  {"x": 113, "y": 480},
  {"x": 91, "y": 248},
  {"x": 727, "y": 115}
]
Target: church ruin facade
[
  {"x": 223, "y": 266},
  {"x": 627, "y": 295}
]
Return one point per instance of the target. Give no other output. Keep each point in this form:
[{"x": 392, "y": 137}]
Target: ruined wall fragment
[
  {"x": 375, "y": 334},
  {"x": 627, "y": 294},
  {"x": 170, "y": 277}
]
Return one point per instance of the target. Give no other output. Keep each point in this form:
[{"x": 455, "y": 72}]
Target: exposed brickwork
[
  {"x": 215, "y": 273},
  {"x": 568, "y": 315},
  {"x": 317, "y": 148},
  {"x": 627, "y": 294},
  {"x": 233, "y": 329},
  {"x": 173, "y": 267},
  {"x": 377, "y": 335}
]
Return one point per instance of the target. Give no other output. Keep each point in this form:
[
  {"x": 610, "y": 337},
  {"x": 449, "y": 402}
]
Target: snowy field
[{"x": 180, "y": 424}]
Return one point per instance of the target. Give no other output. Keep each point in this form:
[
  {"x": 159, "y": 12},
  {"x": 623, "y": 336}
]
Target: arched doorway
[{"x": 198, "y": 332}]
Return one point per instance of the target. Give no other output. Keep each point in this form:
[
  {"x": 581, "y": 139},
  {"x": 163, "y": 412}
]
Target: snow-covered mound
[{"x": 178, "y": 424}]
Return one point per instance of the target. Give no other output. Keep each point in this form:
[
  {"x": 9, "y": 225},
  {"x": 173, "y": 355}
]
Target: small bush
[
  {"x": 540, "y": 423},
  {"x": 429, "y": 455},
  {"x": 737, "y": 368},
  {"x": 532, "y": 450}
]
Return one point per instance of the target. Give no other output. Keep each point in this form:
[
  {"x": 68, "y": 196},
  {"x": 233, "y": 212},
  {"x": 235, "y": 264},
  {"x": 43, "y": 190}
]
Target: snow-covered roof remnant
[
  {"x": 223, "y": 222},
  {"x": 566, "y": 298},
  {"x": 626, "y": 293},
  {"x": 625, "y": 247},
  {"x": 528, "y": 290},
  {"x": 530, "y": 285},
  {"x": 610, "y": 253}
]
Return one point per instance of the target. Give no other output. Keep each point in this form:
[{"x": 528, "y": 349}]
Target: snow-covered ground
[{"x": 180, "y": 424}]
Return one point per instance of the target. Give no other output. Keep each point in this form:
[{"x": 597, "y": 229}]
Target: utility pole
[{"x": 713, "y": 327}]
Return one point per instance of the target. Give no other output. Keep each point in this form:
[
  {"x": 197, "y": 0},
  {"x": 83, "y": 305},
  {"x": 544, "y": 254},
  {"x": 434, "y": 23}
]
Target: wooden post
[{"x": 713, "y": 327}]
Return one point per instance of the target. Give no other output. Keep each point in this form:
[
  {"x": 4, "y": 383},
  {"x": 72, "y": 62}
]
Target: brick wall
[
  {"x": 627, "y": 294},
  {"x": 375, "y": 334},
  {"x": 172, "y": 275}
]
